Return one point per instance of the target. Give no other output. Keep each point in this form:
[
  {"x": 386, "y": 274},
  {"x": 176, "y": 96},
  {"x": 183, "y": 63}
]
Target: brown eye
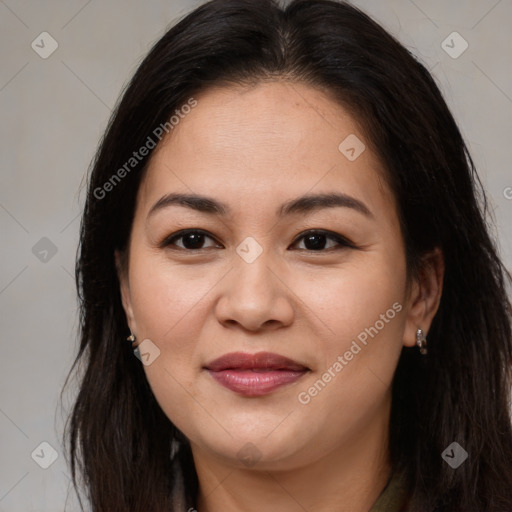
[
  {"x": 319, "y": 241},
  {"x": 190, "y": 240}
]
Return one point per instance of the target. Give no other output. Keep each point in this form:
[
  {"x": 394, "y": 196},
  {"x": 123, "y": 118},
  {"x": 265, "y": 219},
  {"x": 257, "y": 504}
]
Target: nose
[{"x": 255, "y": 296}]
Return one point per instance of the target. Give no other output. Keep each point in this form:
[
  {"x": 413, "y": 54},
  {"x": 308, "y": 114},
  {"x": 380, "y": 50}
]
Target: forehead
[{"x": 262, "y": 144}]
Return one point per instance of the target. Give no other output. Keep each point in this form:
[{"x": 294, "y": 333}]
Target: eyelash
[{"x": 340, "y": 240}]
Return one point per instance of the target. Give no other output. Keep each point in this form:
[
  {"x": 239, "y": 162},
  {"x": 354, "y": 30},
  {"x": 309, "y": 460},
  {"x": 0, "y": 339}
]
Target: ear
[
  {"x": 122, "y": 274},
  {"x": 425, "y": 296}
]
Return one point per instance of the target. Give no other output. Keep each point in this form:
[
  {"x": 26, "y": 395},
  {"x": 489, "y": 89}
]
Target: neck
[{"x": 349, "y": 477}]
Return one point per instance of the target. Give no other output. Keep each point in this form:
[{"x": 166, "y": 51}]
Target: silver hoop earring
[{"x": 421, "y": 341}]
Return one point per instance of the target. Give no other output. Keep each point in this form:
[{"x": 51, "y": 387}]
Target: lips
[
  {"x": 255, "y": 374},
  {"x": 264, "y": 361}
]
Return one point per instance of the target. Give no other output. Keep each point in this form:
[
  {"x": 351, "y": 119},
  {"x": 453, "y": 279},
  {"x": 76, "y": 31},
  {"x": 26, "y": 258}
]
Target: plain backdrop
[{"x": 53, "y": 113}]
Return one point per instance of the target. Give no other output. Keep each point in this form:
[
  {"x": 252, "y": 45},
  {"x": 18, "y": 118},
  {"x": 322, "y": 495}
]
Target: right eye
[{"x": 192, "y": 240}]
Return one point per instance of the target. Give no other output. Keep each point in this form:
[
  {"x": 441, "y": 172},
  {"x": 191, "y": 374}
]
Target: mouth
[{"x": 255, "y": 374}]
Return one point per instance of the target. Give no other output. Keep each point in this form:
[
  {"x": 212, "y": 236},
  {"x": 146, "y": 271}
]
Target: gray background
[{"x": 53, "y": 112}]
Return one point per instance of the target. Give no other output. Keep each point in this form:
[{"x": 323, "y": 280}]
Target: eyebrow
[{"x": 301, "y": 205}]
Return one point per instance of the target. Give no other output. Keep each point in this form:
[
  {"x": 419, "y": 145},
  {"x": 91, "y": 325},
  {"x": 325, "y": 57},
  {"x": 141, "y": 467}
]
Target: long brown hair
[{"x": 118, "y": 437}]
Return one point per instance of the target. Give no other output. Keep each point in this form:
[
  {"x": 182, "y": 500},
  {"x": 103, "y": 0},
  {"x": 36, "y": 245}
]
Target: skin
[{"x": 253, "y": 149}]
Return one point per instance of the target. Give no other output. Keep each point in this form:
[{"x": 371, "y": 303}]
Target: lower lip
[{"x": 251, "y": 383}]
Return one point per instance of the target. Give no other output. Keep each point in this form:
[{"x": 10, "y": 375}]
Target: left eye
[
  {"x": 317, "y": 240},
  {"x": 193, "y": 240}
]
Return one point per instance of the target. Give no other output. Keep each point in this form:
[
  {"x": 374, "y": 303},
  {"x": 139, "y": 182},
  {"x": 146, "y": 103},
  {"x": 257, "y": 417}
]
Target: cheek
[
  {"x": 160, "y": 303},
  {"x": 169, "y": 305},
  {"x": 167, "y": 301},
  {"x": 361, "y": 301},
  {"x": 364, "y": 312}
]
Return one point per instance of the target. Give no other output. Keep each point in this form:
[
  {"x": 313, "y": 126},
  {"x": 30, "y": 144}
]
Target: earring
[
  {"x": 132, "y": 339},
  {"x": 421, "y": 341}
]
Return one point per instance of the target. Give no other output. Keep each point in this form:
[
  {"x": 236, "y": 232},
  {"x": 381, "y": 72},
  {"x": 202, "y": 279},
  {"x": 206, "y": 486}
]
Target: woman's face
[{"x": 277, "y": 267}]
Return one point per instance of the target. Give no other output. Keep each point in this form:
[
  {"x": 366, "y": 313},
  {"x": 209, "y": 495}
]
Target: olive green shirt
[{"x": 394, "y": 497}]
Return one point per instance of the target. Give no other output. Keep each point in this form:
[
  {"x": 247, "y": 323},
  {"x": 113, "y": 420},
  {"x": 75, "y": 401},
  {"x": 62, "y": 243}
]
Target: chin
[{"x": 253, "y": 443}]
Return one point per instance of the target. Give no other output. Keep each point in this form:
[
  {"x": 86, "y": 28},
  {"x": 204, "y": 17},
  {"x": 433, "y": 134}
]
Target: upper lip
[{"x": 260, "y": 360}]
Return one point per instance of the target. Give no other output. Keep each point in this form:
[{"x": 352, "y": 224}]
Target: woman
[{"x": 284, "y": 221}]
